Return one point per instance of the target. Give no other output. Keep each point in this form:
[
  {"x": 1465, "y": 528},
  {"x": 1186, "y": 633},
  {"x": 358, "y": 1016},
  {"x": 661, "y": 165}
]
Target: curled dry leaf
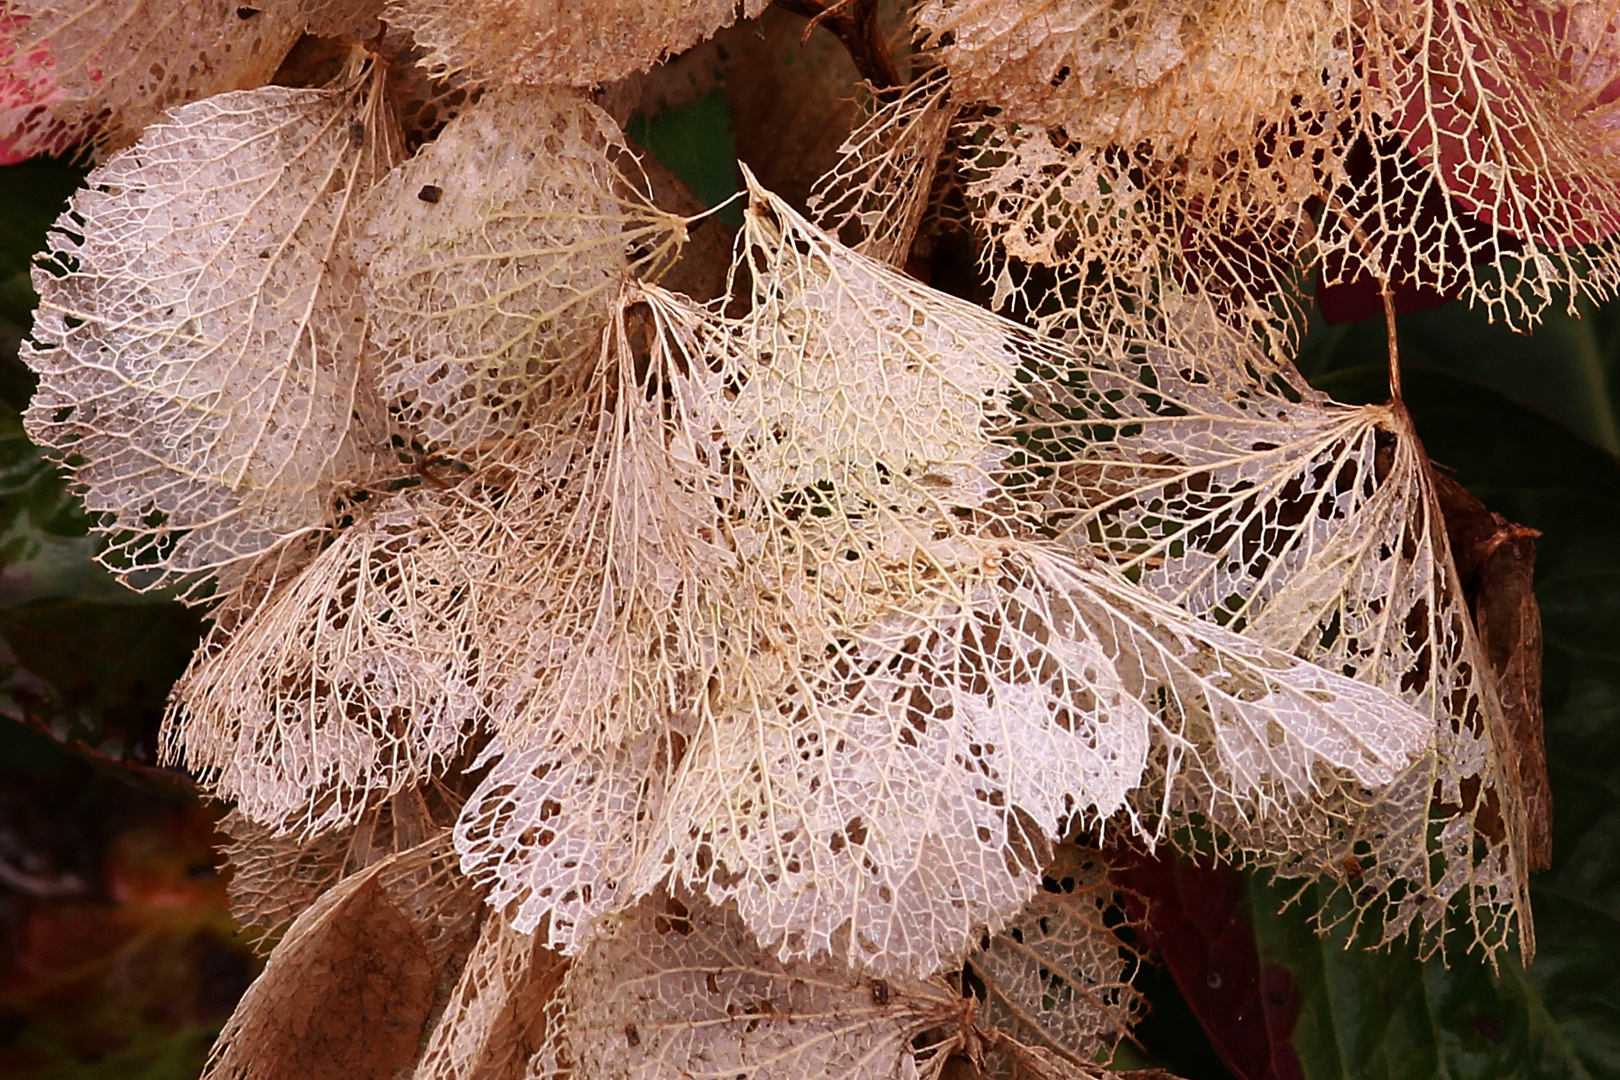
[
  {"x": 1314, "y": 528},
  {"x": 558, "y": 43},
  {"x": 200, "y": 327},
  {"x": 348, "y": 990},
  {"x": 494, "y": 257},
  {"x": 275, "y": 876},
  {"x": 115, "y": 66}
]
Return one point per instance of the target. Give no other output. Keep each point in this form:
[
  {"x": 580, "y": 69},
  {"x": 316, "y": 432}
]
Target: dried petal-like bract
[
  {"x": 679, "y": 989},
  {"x": 116, "y": 65},
  {"x": 200, "y": 326},
  {"x": 493, "y": 258},
  {"x": 356, "y": 680},
  {"x": 1314, "y": 528},
  {"x": 558, "y": 42}
]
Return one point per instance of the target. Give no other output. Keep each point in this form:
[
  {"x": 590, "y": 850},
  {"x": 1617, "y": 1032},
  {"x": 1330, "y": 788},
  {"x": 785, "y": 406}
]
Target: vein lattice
[
  {"x": 199, "y": 331},
  {"x": 103, "y": 70},
  {"x": 558, "y": 43},
  {"x": 1314, "y": 528},
  {"x": 494, "y": 257},
  {"x": 355, "y": 680}
]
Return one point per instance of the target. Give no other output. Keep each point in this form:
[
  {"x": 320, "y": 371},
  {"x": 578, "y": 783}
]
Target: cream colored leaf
[
  {"x": 859, "y": 377},
  {"x": 199, "y": 331},
  {"x": 880, "y": 189},
  {"x": 559, "y": 830},
  {"x": 493, "y": 260},
  {"x": 1058, "y": 976},
  {"x": 615, "y": 542},
  {"x": 117, "y": 65},
  {"x": 556, "y": 43},
  {"x": 355, "y": 680},
  {"x": 1314, "y": 528},
  {"x": 677, "y": 989},
  {"x": 901, "y": 791}
]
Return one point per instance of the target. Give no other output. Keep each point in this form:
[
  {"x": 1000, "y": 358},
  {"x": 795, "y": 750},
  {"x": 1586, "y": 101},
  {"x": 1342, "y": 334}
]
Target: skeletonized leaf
[
  {"x": 885, "y": 173},
  {"x": 677, "y": 989},
  {"x": 901, "y": 791},
  {"x": 347, "y": 992},
  {"x": 493, "y": 260},
  {"x": 1057, "y": 975},
  {"x": 117, "y": 65},
  {"x": 496, "y": 1019},
  {"x": 199, "y": 331},
  {"x": 558, "y": 831},
  {"x": 558, "y": 43},
  {"x": 355, "y": 680},
  {"x": 1314, "y": 528},
  {"x": 1503, "y": 176}
]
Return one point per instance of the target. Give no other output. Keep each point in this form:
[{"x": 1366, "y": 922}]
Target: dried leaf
[
  {"x": 672, "y": 988},
  {"x": 555, "y": 43},
  {"x": 199, "y": 331},
  {"x": 1058, "y": 976},
  {"x": 877, "y": 195},
  {"x": 496, "y": 1019},
  {"x": 117, "y": 65},
  {"x": 1496, "y": 562},
  {"x": 356, "y": 680},
  {"x": 348, "y": 990},
  {"x": 901, "y": 790},
  {"x": 1312, "y": 528},
  {"x": 493, "y": 260}
]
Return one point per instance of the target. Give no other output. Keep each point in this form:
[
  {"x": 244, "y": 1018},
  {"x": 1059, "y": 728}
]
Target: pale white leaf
[{"x": 200, "y": 327}]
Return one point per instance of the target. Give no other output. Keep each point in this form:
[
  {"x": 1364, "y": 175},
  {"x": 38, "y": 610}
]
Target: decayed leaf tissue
[{"x": 614, "y": 682}]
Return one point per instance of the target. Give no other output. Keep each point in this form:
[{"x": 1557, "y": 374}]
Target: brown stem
[
  {"x": 1394, "y": 345},
  {"x": 853, "y": 22}
]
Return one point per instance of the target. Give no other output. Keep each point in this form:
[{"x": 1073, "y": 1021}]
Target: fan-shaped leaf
[{"x": 199, "y": 332}]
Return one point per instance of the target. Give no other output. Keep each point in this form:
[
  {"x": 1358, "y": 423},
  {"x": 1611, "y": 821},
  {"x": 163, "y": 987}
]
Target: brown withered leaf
[
  {"x": 1496, "y": 561},
  {"x": 344, "y": 997}
]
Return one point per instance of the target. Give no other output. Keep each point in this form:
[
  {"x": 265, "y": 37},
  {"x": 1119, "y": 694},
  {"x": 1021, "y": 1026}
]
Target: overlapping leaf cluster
[{"x": 674, "y": 685}]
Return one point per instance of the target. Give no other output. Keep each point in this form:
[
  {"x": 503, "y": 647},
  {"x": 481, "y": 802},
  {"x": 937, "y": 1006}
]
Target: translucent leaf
[
  {"x": 199, "y": 331},
  {"x": 881, "y": 185},
  {"x": 355, "y": 680},
  {"x": 494, "y": 257},
  {"x": 901, "y": 790},
  {"x": 1058, "y": 976},
  {"x": 117, "y": 65},
  {"x": 555, "y": 43},
  {"x": 677, "y": 989},
  {"x": 1502, "y": 181},
  {"x": 558, "y": 830},
  {"x": 1314, "y": 528}
]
